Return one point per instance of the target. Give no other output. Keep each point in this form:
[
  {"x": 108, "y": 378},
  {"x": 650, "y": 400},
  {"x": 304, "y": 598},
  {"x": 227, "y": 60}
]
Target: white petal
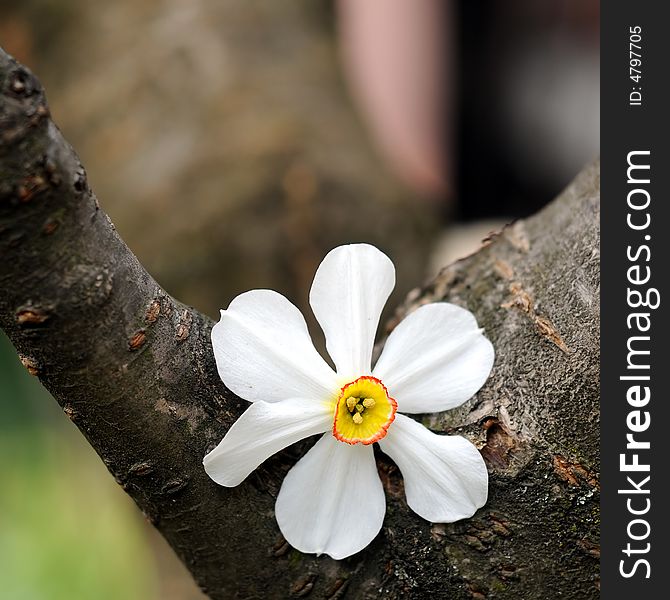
[
  {"x": 435, "y": 359},
  {"x": 332, "y": 501},
  {"x": 348, "y": 294},
  {"x": 260, "y": 432},
  {"x": 263, "y": 351},
  {"x": 445, "y": 476}
]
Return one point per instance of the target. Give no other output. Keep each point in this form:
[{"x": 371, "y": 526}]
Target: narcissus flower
[{"x": 332, "y": 500}]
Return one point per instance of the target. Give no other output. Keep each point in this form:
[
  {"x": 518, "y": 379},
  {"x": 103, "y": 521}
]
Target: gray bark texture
[{"x": 134, "y": 370}]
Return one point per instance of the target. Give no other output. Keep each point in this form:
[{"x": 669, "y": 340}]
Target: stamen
[{"x": 363, "y": 412}]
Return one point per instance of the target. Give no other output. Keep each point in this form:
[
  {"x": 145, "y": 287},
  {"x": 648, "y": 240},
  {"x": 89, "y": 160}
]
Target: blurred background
[{"x": 233, "y": 143}]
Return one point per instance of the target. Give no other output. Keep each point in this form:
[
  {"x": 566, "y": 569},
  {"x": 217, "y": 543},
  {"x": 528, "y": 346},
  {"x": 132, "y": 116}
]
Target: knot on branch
[{"x": 23, "y": 103}]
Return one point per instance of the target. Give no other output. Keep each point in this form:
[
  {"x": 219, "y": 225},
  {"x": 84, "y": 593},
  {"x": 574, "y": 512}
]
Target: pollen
[{"x": 364, "y": 411}]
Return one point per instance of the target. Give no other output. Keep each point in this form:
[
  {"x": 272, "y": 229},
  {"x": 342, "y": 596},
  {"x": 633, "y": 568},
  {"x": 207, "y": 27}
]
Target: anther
[
  {"x": 369, "y": 402},
  {"x": 357, "y": 418},
  {"x": 351, "y": 403}
]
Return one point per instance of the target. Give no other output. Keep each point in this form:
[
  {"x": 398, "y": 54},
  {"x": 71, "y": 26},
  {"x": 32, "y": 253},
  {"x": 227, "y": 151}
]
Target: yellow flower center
[{"x": 363, "y": 412}]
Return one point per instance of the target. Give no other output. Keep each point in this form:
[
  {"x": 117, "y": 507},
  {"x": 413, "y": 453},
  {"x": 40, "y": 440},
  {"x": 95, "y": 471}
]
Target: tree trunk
[{"x": 133, "y": 368}]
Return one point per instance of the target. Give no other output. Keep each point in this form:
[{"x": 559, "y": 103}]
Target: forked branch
[{"x": 133, "y": 368}]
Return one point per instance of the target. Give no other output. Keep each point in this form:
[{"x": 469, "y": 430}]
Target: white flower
[{"x": 332, "y": 500}]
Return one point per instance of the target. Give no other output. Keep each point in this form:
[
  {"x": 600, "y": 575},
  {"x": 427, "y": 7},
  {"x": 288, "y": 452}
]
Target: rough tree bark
[{"x": 133, "y": 369}]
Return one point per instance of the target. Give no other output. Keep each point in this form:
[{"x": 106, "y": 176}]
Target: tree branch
[{"x": 133, "y": 368}]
